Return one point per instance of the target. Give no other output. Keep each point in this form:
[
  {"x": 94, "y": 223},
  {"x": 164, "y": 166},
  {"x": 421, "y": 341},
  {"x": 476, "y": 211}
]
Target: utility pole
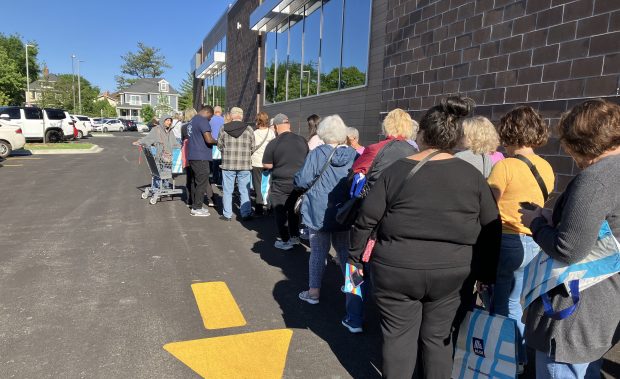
[
  {"x": 79, "y": 87},
  {"x": 27, "y": 74},
  {"x": 73, "y": 80}
]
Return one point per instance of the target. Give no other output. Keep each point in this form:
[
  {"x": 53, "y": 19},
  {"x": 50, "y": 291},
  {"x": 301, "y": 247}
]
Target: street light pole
[
  {"x": 79, "y": 87},
  {"x": 73, "y": 80},
  {"x": 27, "y": 75}
]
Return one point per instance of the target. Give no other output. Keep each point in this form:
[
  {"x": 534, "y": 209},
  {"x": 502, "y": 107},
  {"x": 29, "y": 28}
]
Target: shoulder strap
[
  {"x": 327, "y": 163},
  {"x": 379, "y": 155},
  {"x": 264, "y": 139},
  {"x": 537, "y": 176},
  {"x": 485, "y": 164},
  {"x": 411, "y": 173}
]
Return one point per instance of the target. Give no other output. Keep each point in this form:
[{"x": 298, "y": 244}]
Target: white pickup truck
[{"x": 55, "y": 124}]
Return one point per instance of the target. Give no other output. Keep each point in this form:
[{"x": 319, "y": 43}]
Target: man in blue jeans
[{"x": 236, "y": 142}]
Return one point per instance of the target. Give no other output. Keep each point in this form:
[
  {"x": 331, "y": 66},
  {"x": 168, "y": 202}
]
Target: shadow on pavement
[{"x": 357, "y": 353}]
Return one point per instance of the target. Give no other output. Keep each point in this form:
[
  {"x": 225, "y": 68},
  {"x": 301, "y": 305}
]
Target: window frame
[
  {"x": 163, "y": 86},
  {"x": 321, "y": 45},
  {"x": 132, "y": 102},
  {"x": 39, "y": 113}
]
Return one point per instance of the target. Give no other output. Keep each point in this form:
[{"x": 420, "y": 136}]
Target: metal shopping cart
[{"x": 163, "y": 166}]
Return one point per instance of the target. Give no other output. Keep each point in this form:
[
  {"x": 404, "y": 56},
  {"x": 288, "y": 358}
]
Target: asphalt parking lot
[{"x": 94, "y": 281}]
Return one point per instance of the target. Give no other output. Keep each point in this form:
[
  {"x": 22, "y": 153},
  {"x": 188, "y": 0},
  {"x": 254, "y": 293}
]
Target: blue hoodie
[{"x": 320, "y": 203}]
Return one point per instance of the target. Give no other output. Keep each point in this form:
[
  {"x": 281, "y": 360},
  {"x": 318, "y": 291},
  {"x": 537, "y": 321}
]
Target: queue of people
[{"x": 442, "y": 217}]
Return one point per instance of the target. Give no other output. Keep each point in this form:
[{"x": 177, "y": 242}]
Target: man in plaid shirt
[{"x": 236, "y": 142}]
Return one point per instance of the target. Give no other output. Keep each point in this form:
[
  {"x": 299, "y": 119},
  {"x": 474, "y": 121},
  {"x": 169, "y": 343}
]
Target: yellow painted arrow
[{"x": 252, "y": 355}]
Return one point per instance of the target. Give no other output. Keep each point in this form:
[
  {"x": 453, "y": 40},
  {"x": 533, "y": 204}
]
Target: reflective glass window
[
  {"x": 296, "y": 30},
  {"x": 331, "y": 45},
  {"x": 355, "y": 43},
  {"x": 312, "y": 47},
  {"x": 281, "y": 60},
  {"x": 270, "y": 66}
]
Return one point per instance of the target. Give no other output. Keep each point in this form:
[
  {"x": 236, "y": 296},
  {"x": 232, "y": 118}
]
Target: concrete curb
[
  {"x": 93, "y": 150},
  {"x": 101, "y": 135}
]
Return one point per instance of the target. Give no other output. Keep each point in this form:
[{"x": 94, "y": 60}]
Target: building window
[
  {"x": 312, "y": 49},
  {"x": 354, "y": 54},
  {"x": 163, "y": 86},
  {"x": 270, "y": 67},
  {"x": 135, "y": 100},
  {"x": 322, "y": 47}
]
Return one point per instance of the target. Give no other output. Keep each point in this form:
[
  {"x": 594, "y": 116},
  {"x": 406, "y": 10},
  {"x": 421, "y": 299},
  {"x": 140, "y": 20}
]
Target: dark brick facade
[
  {"x": 550, "y": 54},
  {"x": 242, "y": 60}
]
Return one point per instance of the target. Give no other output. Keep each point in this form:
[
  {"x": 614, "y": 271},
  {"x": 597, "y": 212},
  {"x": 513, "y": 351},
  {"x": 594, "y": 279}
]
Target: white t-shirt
[{"x": 259, "y": 136}]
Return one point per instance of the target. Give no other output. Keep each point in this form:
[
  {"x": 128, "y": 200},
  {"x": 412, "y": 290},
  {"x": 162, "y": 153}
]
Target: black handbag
[{"x": 347, "y": 212}]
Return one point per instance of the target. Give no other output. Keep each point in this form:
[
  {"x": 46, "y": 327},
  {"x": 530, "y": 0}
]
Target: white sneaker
[
  {"x": 283, "y": 245},
  {"x": 294, "y": 241},
  {"x": 200, "y": 213}
]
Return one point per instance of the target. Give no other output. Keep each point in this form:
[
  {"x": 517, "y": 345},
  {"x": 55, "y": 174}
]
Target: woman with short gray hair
[
  {"x": 324, "y": 179},
  {"x": 353, "y": 140}
]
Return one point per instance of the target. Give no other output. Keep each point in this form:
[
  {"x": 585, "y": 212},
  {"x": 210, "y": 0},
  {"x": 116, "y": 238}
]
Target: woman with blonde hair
[
  {"x": 398, "y": 127},
  {"x": 262, "y": 136},
  {"x": 480, "y": 139}
]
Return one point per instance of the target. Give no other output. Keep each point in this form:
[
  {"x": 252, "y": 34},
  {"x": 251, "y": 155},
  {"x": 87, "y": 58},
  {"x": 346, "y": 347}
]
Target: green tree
[
  {"x": 163, "y": 105},
  {"x": 11, "y": 81},
  {"x": 147, "y": 113},
  {"x": 101, "y": 108},
  {"x": 186, "y": 100},
  {"x": 15, "y": 57},
  {"x": 60, "y": 94},
  {"x": 147, "y": 62}
]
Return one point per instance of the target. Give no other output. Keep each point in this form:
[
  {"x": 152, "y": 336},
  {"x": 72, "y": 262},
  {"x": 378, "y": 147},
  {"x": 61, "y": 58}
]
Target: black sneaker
[{"x": 224, "y": 218}]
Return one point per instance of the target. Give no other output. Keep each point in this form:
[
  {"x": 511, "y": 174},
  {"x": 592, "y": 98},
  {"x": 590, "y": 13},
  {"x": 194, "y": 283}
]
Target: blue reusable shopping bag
[
  {"x": 264, "y": 185},
  {"x": 486, "y": 347},
  {"x": 177, "y": 161},
  {"x": 544, "y": 273}
]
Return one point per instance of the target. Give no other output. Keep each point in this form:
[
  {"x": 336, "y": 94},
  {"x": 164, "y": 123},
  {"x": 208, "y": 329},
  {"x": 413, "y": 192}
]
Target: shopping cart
[{"x": 163, "y": 172}]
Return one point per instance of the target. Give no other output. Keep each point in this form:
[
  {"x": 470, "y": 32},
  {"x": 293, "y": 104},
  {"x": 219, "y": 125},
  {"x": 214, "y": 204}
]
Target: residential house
[
  {"x": 40, "y": 86},
  {"x": 111, "y": 98},
  {"x": 156, "y": 92}
]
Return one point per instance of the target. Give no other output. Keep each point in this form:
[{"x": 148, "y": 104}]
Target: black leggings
[
  {"x": 283, "y": 204},
  {"x": 417, "y": 309}
]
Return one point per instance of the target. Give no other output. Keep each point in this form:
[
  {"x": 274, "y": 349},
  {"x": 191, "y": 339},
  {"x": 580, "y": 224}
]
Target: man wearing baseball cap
[{"x": 284, "y": 156}]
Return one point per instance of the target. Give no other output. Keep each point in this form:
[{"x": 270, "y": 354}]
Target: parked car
[
  {"x": 55, "y": 124},
  {"x": 110, "y": 125},
  {"x": 130, "y": 125},
  {"x": 83, "y": 126},
  {"x": 142, "y": 127},
  {"x": 11, "y": 138}
]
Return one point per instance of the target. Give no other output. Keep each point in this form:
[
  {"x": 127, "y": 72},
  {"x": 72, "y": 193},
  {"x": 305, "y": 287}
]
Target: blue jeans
[
  {"x": 320, "y": 243},
  {"x": 243, "y": 182},
  {"x": 515, "y": 253},
  {"x": 547, "y": 368}
]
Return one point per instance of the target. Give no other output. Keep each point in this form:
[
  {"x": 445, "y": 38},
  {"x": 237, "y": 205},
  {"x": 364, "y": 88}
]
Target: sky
[{"x": 99, "y": 32}]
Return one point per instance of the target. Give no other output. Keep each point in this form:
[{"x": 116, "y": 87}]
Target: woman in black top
[{"x": 425, "y": 244}]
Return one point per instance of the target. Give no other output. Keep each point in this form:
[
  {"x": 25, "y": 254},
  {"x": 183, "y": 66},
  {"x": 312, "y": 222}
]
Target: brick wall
[
  {"x": 550, "y": 54},
  {"x": 242, "y": 59}
]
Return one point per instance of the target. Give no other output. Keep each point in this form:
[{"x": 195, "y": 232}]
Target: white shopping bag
[
  {"x": 486, "y": 347},
  {"x": 544, "y": 273},
  {"x": 216, "y": 153}
]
